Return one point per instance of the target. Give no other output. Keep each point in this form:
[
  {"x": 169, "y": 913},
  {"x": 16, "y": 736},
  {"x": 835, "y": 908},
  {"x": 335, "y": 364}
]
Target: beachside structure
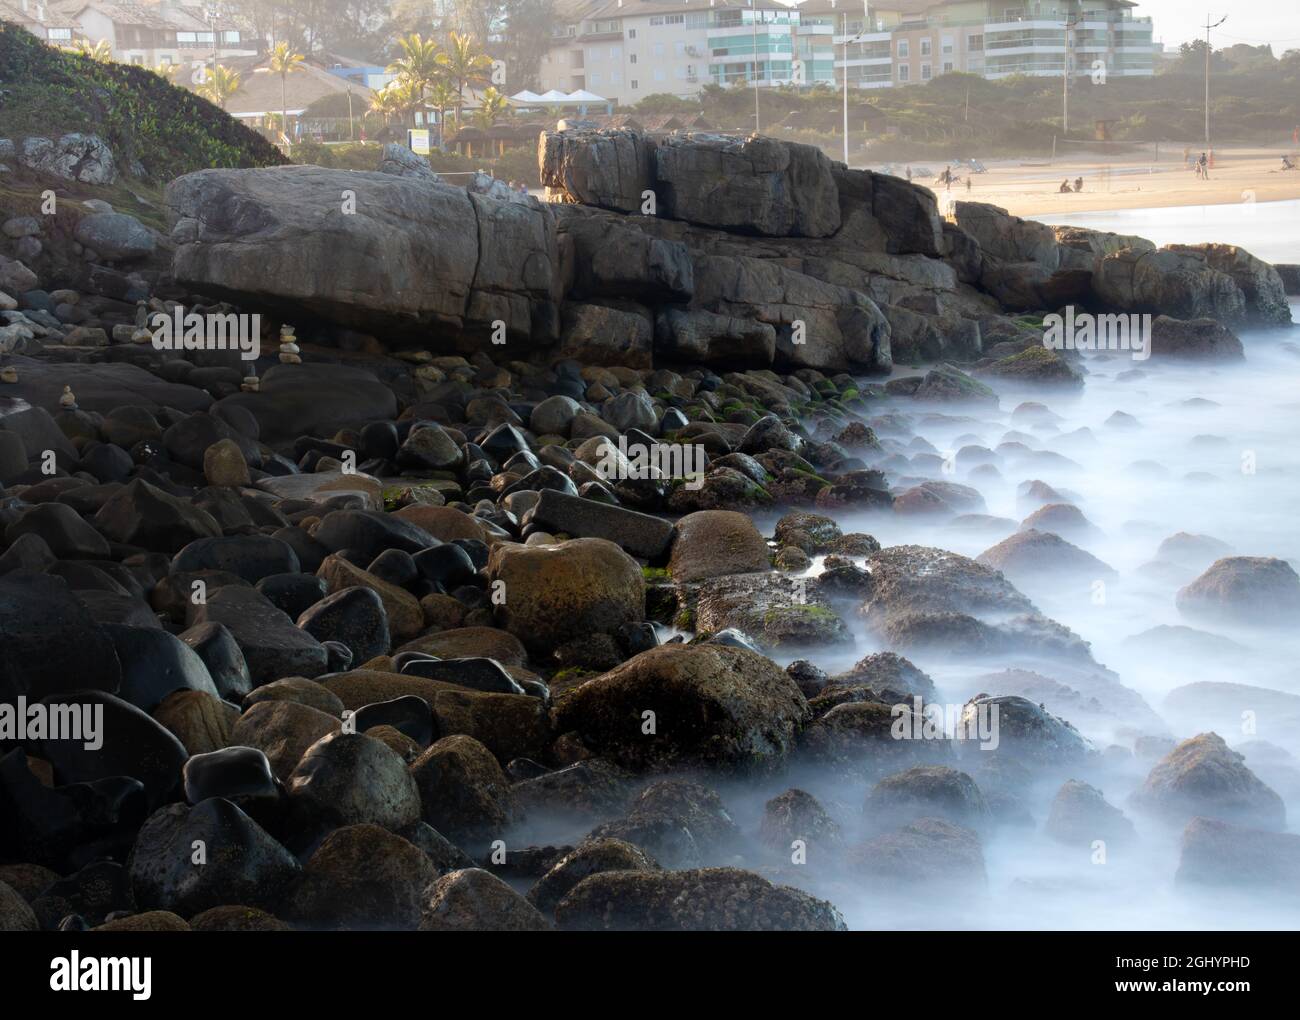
[
  {"x": 902, "y": 42},
  {"x": 42, "y": 20},
  {"x": 629, "y": 49},
  {"x": 180, "y": 32}
]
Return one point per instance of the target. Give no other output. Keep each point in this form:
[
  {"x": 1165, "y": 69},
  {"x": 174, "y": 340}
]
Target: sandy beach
[{"x": 1030, "y": 187}]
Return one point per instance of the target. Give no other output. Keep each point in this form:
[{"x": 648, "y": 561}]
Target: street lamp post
[
  {"x": 1208, "y": 26},
  {"x": 1070, "y": 23},
  {"x": 212, "y": 24},
  {"x": 866, "y": 25}
]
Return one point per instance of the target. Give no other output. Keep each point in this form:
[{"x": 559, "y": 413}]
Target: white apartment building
[{"x": 625, "y": 50}]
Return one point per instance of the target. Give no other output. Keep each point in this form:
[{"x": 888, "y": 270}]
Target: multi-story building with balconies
[
  {"x": 626, "y": 50},
  {"x": 902, "y": 42}
]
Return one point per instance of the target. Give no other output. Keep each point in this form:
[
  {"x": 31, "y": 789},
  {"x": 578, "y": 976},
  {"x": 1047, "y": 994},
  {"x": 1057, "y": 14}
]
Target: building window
[
  {"x": 947, "y": 45},
  {"x": 594, "y": 77},
  {"x": 631, "y": 58},
  {"x": 659, "y": 49},
  {"x": 902, "y": 72},
  {"x": 947, "y": 67},
  {"x": 975, "y": 43},
  {"x": 64, "y": 34},
  {"x": 925, "y": 47},
  {"x": 615, "y": 77},
  {"x": 616, "y": 53},
  {"x": 631, "y": 33},
  {"x": 634, "y": 83},
  {"x": 902, "y": 48},
  {"x": 660, "y": 75},
  {"x": 925, "y": 72}
]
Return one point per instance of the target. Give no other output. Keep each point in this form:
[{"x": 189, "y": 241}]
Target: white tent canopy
[{"x": 557, "y": 98}]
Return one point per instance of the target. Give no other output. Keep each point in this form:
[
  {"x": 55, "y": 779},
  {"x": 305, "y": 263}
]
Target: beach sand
[{"x": 1030, "y": 187}]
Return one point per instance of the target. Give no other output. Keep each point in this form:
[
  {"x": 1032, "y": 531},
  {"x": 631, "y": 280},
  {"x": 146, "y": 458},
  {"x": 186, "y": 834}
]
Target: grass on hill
[{"x": 156, "y": 130}]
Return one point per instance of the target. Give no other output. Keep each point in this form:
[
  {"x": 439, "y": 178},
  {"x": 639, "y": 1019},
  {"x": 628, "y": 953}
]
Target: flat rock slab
[
  {"x": 639, "y": 534},
  {"x": 326, "y": 485},
  {"x": 300, "y": 400},
  {"x": 98, "y": 387}
]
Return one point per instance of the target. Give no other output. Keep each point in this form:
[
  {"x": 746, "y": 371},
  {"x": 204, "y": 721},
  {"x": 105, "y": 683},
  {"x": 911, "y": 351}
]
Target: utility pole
[
  {"x": 1065, "y": 107},
  {"x": 866, "y": 27},
  {"x": 212, "y": 24},
  {"x": 753, "y": 24},
  {"x": 1208, "y": 26}
]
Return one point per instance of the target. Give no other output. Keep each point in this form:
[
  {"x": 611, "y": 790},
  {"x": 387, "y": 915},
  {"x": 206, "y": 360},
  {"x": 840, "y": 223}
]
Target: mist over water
[{"x": 1145, "y": 450}]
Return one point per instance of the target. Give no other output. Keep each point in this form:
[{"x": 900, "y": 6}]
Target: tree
[
  {"x": 284, "y": 62},
  {"x": 384, "y": 102},
  {"x": 220, "y": 85},
  {"x": 492, "y": 107},
  {"x": 441, "y": 97},
  {"x": 101, "y": 52},
  {"x": 464, "y": 64},
  {"x": 418, "y": 65}
]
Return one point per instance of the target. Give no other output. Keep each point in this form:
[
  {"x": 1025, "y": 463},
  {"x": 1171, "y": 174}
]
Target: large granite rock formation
[{"x": 368, "y": 250}]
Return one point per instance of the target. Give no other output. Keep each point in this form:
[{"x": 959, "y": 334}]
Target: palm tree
[
  {"x": 492, "y": 106},
  {"x": 397, "y": 99},
  {"x": 382, "y": 103},
  {"x": 464, "y": 64},
  {"x": 418, "y": 62},
  {"x": 284, "y": 62},
  {"x": 101, "y": 52},
  {"x": 441, "y": 97},
  {"x": 221, "y": 85}
]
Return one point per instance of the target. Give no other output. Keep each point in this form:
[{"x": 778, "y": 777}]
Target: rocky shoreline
[{"x": 483, "y": 600}]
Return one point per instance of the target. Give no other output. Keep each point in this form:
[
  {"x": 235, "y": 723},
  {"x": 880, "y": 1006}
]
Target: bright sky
[{"x": 1249, "y": 21}]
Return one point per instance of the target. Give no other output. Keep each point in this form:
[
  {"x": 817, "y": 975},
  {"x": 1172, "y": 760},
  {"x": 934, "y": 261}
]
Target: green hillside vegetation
[
  {"x": 1255, "y": 98},
  {"x": 156, "y": 130}
]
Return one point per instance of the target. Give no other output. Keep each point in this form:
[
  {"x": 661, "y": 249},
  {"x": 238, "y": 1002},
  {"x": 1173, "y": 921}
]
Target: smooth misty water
[
  {"x": 1178, "y": 466},
  {"x": 1268, "y": 230}
]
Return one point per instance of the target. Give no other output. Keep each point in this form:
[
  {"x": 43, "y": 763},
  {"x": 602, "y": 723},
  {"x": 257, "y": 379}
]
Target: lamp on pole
[
  {"x": 212, "y": 24},
  {"x": 866, "y": 27},
  {"x": 753, "y": 24},
  {"x": 1071, "y": 23},
  {"x": 1209, "y": 26}
]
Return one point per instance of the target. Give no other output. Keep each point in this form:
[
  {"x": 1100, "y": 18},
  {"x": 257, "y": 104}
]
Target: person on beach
[
  {"x": 1078, "y": 184},
  {"x": 968, "y": 185},
  {"x": 1204, "y": 168},
  {"x": 1064, "y": 189},
  {"x": 909, "y": 175}
]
